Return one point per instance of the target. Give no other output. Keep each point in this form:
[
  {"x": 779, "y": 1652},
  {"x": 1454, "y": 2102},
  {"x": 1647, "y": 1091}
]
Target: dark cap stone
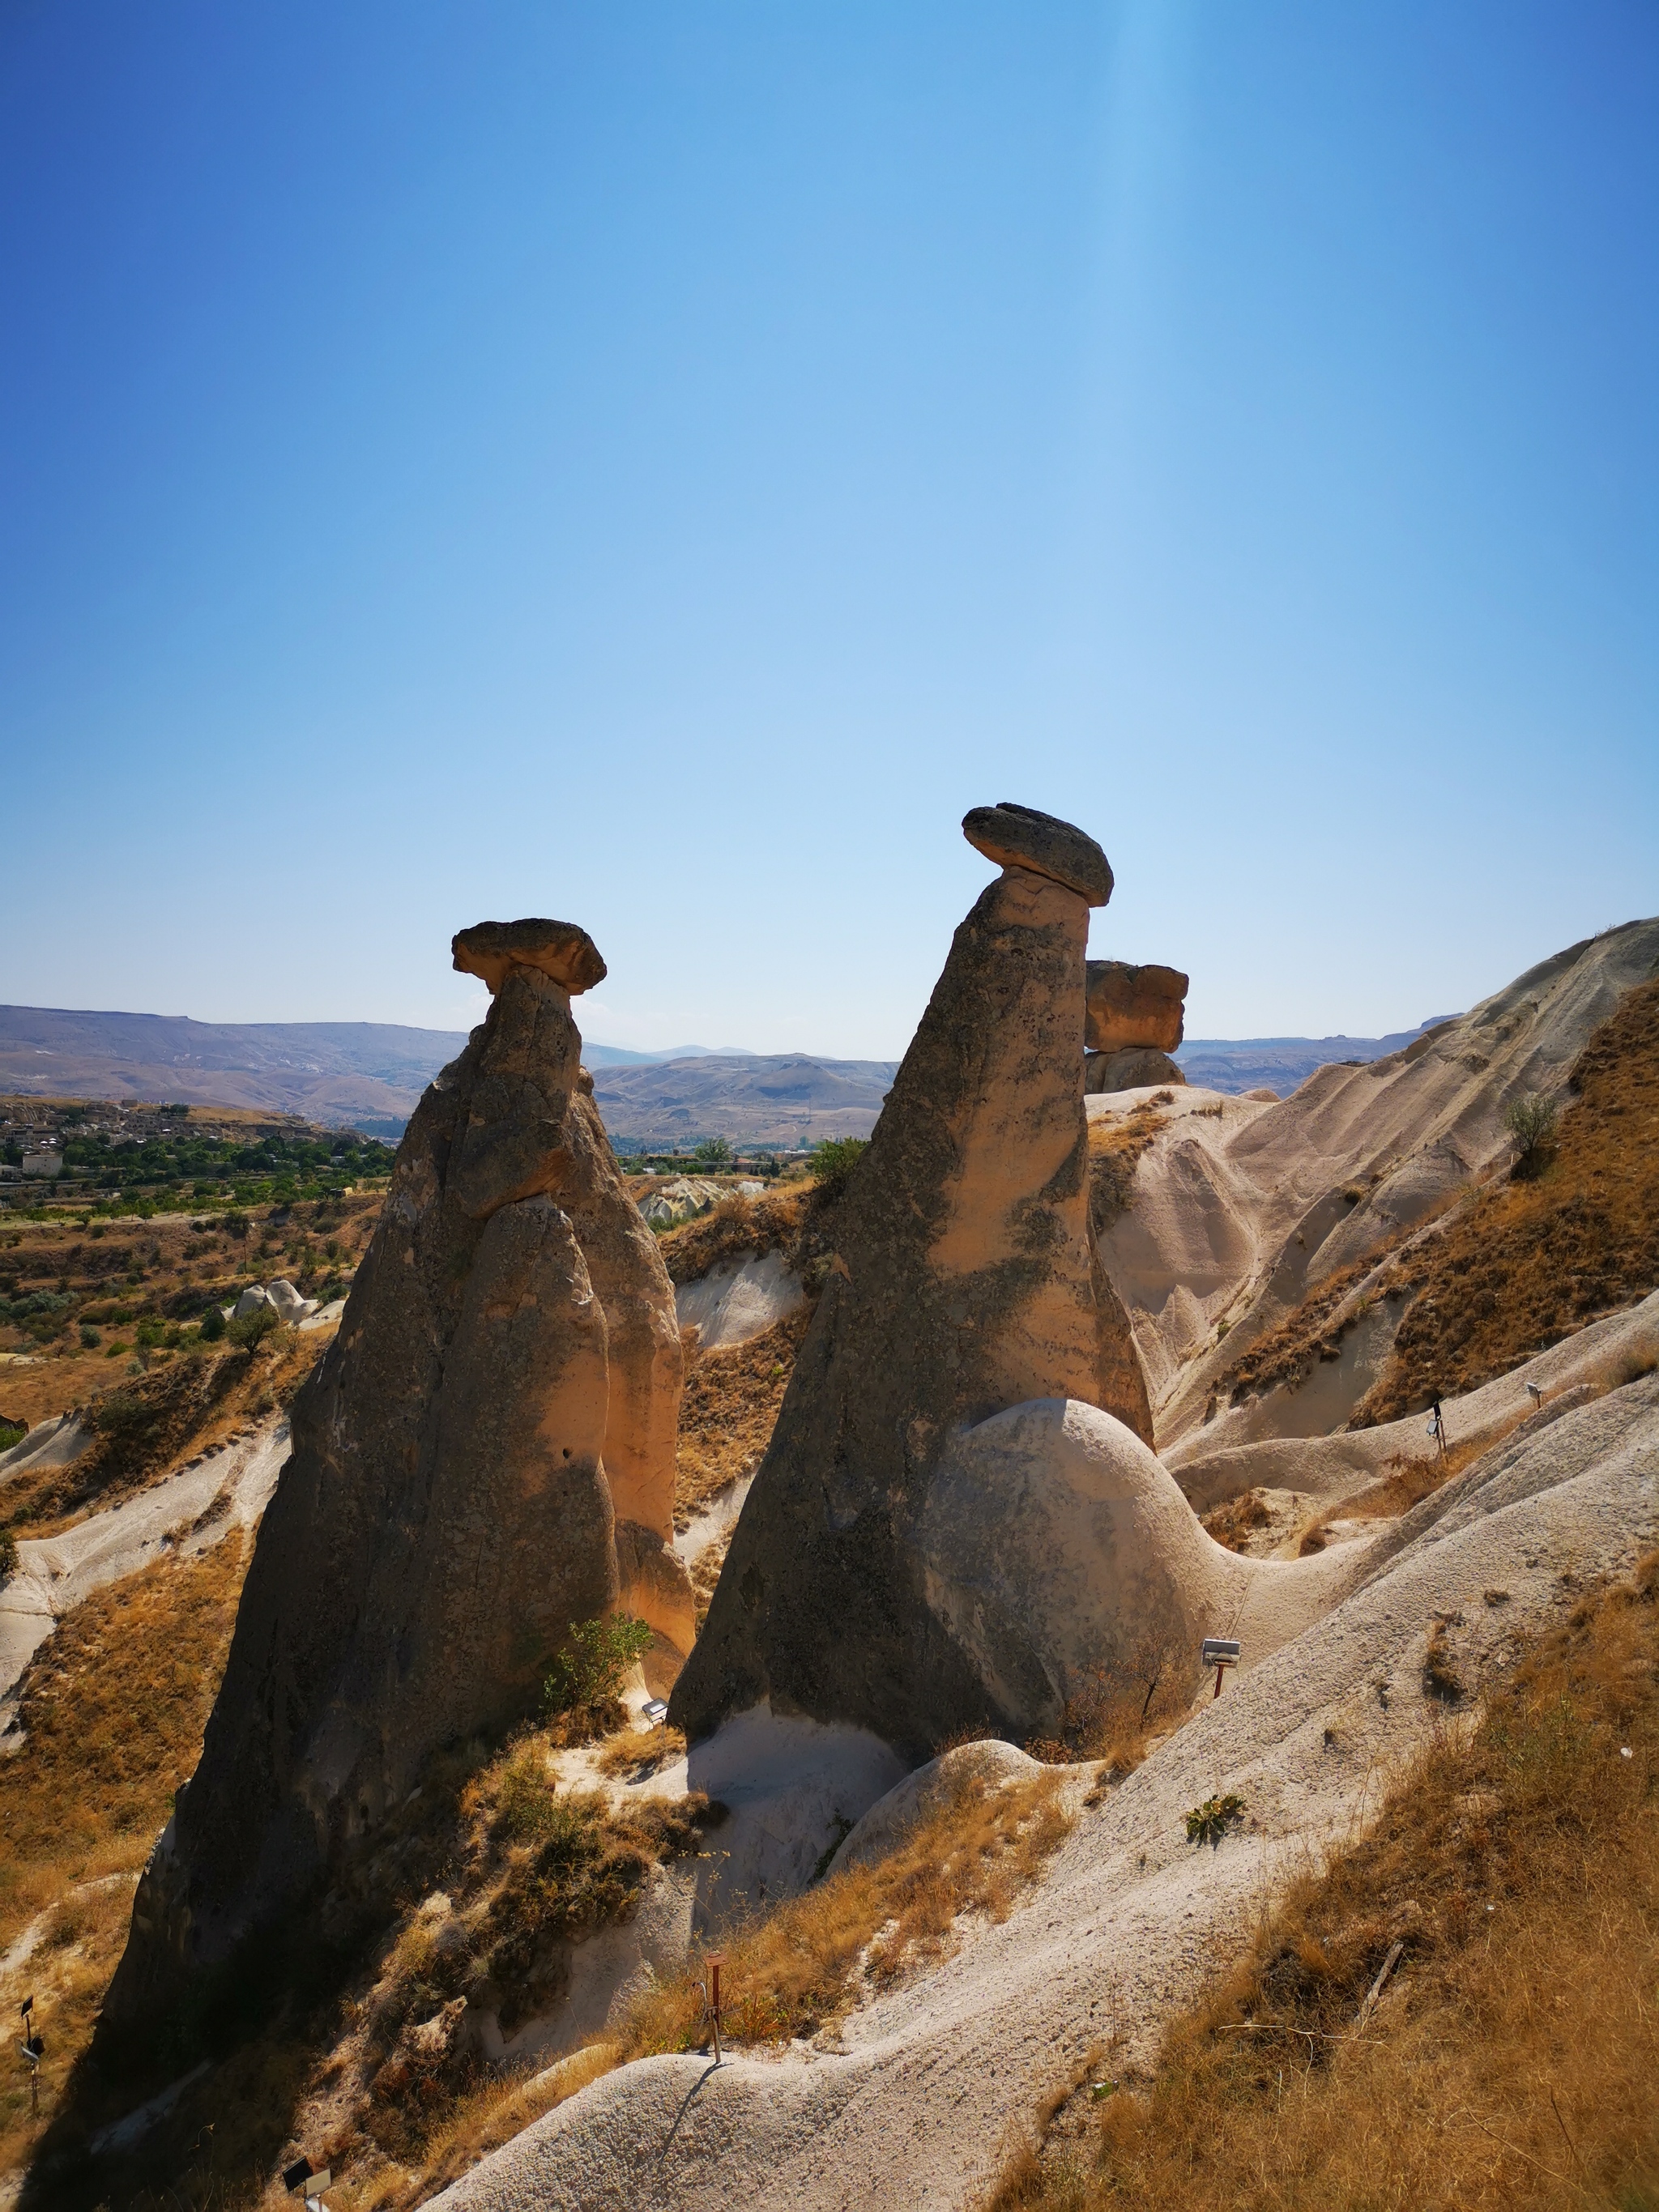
[
  {"x": 559, "y": 949},
  {"x": 1020, "y": 837}
]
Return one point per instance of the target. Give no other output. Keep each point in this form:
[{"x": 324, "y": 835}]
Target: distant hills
[
  {"x": 1281, "y": 1063},
  {"x": 369, "y": 1075}
]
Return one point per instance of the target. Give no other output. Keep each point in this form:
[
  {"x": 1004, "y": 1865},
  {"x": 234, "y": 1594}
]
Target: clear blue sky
[{"x": 658, "y": 464}]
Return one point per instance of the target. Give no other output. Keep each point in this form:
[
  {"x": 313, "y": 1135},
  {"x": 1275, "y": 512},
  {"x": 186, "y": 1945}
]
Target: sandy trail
[
  {"x": 913, "y": 2104},
  {"x": 171, "y": 1519}
]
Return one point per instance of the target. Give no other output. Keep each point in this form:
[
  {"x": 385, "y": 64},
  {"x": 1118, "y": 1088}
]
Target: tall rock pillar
[
  {"x": 446, "y": 1513},
  {"x": 966, "y": 1281}
]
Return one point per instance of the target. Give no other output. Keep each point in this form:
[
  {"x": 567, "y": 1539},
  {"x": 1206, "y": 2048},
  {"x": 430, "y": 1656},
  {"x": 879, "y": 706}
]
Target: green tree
[
  {"x": 248, "y": 1331},
  {"x": 832, "y": 1166},
  {"x": 1531, "y": 1122},
  {"x": 712, "y": 1153},
  {"x": 587, "y": 1675}
]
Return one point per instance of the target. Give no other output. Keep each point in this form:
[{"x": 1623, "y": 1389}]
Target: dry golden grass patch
[
  {"x": 1116, "y": 1148},
  {"x": 736, "y": 1226},
  {"x": 1528, "y": 1263},
  {"x": 1512, "y": 2059},
  {"x": 729, "y": 1410},
  {"x": 114, "y": 1704},
  {"x": 797, "y": 1969},
  {"x": 483, "y": 2118}
]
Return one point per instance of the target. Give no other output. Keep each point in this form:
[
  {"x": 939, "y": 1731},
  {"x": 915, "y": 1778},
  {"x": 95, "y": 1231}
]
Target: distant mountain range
[
  {"x": 369, "y": 1075},
  {"x": 1281, "y": 1063}
]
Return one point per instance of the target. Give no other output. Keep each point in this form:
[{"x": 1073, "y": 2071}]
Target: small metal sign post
[
  {"x": 303, "y": 2176},
  {"x": 34, "y": 2049},
  {"x": 711, "y": 1996},
  {"x": 1221, "y": 1652}
]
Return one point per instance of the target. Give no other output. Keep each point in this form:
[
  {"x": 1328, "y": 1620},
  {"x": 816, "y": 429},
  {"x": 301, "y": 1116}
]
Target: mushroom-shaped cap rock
[
  {"x": 1020, "y": 837},
  {"x": 560, "y": 949}
]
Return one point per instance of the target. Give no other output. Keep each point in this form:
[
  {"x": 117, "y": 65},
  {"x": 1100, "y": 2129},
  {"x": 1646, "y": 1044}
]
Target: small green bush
[
  {"x": 10, "y": 1435},
  {"x": 213, "y": 1325},
  {"x": 712, "y": 1153},
  {"x": 832, "y": 1166},
  {"x": 1209, "y": 1822},
  {"x": 589, "y": 1671},
  {"x": 248, "y": 1331},
  {"x": 90, "y": 1339},
  {"x": 236, "y": 1223},
  {"x": 1531, "y": 1122},
  {"x": 7, "y": 1554}
]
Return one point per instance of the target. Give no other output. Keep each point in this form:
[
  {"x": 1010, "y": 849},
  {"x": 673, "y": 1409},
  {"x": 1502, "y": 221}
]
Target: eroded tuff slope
[{"x": 1241, "y": 1208}]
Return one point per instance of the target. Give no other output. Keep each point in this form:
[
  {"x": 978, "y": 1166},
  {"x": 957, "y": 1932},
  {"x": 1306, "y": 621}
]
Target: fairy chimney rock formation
[
  {"x": 966, "y": 1281},
  {"x": 483, "y": 1457}
]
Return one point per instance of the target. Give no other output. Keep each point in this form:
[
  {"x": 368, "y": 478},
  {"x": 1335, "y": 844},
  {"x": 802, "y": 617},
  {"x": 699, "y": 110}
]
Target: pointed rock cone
[
  {"x": 445, "y": 1514},
  {"x": 966, "y": 1281}
]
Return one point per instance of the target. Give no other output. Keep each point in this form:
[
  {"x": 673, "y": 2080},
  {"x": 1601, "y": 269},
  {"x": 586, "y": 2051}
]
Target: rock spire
[
  {"x": 484, "y": 1456},
  {"x": 965, "y": 1282}
]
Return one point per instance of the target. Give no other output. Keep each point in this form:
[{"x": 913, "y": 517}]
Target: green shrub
[
  {"x": 1209, "y": 1822},
  {"x": 124, "y": 1415},
  {"x": 7, "y": 1554},
  {"x": 1531, "y": 1122},
  {"x": 712, "y": 1153},
  {"x": 588, "y": 1672},
  {"x": 831, "y": 1167},
  {"x": 236, "y": 1224},
  {"x": 248, "y": 1331},
  {"x": 90, "y": 1339},
  {"x": 10, "y": 1435},
  {"x": 213, "y": 1325}
]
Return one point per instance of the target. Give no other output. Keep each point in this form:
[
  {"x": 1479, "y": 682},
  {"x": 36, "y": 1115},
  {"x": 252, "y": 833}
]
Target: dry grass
[
  {"x": 636, "y": 1754},
  {"x": 114, "y": 1704},
  {"x": 483, "y": 2119},
  {"x": 1235, "y": 1522},
  {"x": 148, "y": 1423},
  {"x": 797, "y": 1969},
  {"x": 729, "y": 1411},
  {"x": 115, "y": 1275},
  {"x": 1116, "y": 1148},
  {"x": 1115, "y": 1714},
  {"x": 1528, "y": 1263},
  {"x": 1512, "y": 2059},
  {"x": 786, "y": 1221},
  {"x": 345, "y": 2029}
]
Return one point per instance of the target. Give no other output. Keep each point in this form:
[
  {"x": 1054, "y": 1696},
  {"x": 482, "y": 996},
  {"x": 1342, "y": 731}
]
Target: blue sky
[{"x": 658, "y": 465}]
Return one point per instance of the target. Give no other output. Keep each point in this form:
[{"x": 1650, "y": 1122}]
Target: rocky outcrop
[
  {"x": 966, "y": 1281},
  {"x": 1129, "y": 1070},
  {"x": 448, "y": 1509},
  {"x": 1130, "y": 1007}
]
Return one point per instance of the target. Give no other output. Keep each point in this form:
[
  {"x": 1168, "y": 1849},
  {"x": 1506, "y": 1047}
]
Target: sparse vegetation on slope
[
  {"x": 729, "y": 1410},
  {"x": 798, "y": 1969},
  {"x": 1526, "y": 1262},
  {"x": 112, "y": 1706},
  {"x": 145, "y": 1424},
  {"x": 1510, "y": 2058},
  {"x": 1116, "y": 1148},
  {"x": 348, "y": 2025}
]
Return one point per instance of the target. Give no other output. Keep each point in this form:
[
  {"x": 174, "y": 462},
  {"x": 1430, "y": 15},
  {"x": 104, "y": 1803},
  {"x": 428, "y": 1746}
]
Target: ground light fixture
[
  {"x": 312, "y": 2181},
  {"x": 1221, "y": 1652}
]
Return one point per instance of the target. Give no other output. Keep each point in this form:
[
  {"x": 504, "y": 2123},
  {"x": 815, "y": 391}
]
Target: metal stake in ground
[
  {"x": 35, "y": 2049},
  {"x": 711, "y": 1996},
  {"x": 1221, "y": 1652}
]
